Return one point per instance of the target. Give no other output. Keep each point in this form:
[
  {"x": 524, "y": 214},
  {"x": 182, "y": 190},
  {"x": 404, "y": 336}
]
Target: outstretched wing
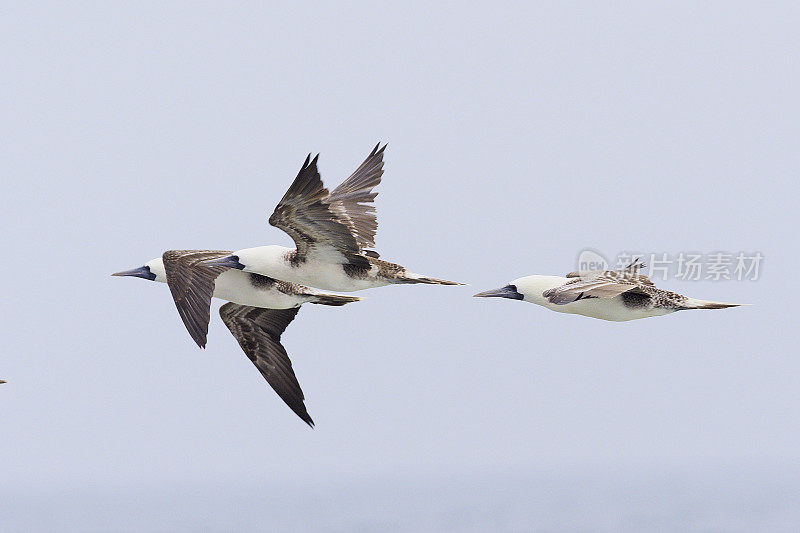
[
  {"x": 352, "y": 199},
  {"x": 599, "y": 284},
  {"x": 258, "y": 332},
  {"x": 192, "y": 286},
  {"x": 314, "y": 225}
]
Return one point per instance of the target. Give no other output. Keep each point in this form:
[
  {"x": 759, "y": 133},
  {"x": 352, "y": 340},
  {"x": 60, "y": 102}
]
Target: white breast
[
  {"x": 606, "y": 309},
  {"x": 320, "y": 270},
  {"x": 235, "y": 286},
  {"x": 329, "y": 277},
  {"x": 532, "y": 287}
]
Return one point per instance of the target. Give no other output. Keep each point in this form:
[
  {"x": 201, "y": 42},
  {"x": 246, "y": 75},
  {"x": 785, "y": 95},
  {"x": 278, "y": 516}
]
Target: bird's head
[
  {"x": 528, "y": 288},
  {"x": 153, "y": 270},
  {"x": 508, "y": 291}
]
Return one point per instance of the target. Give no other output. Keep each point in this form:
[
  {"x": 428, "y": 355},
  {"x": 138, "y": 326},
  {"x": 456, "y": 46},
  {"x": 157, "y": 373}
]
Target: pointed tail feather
[
  {"x": 410, "y": 277},
  {"x": 334, "y": 299},
  {"x": 694, "y": 303}
]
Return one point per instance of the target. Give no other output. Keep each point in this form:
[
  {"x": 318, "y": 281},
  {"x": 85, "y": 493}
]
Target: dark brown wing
[
  {"x": 314, "y": 225},
  {"x": 258, "y": 332},
  {"x": 353, "y": 198},
  {"x": 192, "y": 286}
]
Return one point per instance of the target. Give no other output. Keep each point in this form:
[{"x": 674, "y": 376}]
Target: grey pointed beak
[
  {"x": 140, "y": 272},
  {"x": 231, "y": 261},
  {"x": 509, "y": 291}
]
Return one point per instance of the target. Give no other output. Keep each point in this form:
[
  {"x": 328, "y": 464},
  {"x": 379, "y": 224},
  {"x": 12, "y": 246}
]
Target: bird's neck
[{"x": 532, "y": 287}]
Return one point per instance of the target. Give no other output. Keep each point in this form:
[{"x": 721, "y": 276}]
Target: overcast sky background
[{"x": 518, "y": 136}]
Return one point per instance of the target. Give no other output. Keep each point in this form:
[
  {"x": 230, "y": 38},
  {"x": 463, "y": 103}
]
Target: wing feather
[
  {"x": 258, "y": 332},
  {"x": 599, "y": 284},
  {"x": 353, "y": 198},
  {"x": 315, "y": 226},
  {"x": 192, "y": 287}
]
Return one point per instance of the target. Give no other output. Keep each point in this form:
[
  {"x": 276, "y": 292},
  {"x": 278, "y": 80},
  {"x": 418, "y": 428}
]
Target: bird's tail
[
  {"x": 334, "y": 299},
  {"x": 694, "y": 303},
  {"x": 410, "y": 277}
]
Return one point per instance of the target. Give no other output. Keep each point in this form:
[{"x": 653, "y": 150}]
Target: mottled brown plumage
[
  {"x": 353, "y": 198},
  {"x": 637, "y": 289},
  {"x": 342, "y": 222}
]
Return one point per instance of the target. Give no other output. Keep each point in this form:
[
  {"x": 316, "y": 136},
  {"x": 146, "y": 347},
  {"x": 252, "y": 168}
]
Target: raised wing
[
  {"x": 599, "y": 284},
  {"x": 192, "y": 286},
  {"x": 314, "y": 224},
  {"x": 258, "y": 332},
  {"x": 352, "y": 199}
]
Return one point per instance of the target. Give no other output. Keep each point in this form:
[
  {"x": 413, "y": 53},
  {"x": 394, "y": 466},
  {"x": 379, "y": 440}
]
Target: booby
[
  {"x": 259, "y": 310},
  {"x": 617, "y": 295},
  {"x": 333, "y": 233}
]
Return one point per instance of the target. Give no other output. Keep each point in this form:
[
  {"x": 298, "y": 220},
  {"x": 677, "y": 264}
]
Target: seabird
[
  {"x": 617, "y": 295},
  {"x": 259, "y": 310},
  {"x": 333, "y": 233}
]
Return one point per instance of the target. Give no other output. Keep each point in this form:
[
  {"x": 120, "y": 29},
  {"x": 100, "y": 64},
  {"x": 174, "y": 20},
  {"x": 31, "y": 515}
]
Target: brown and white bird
[
  {"x": 334, "y": 234},
  {"x": 259, "y": 311},
  {"x": 616, "y": 295}
]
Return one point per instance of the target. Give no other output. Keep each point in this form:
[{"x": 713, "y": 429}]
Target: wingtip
[
  {"x": 305, "y": 417},
  {"x": 199, "y": 336}
]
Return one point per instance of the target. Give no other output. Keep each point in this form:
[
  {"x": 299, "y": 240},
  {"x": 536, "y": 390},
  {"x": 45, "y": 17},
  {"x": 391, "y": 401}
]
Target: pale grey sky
[{"x": 518, "y": 136}]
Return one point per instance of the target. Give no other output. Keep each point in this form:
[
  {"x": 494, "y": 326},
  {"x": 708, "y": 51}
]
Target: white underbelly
[
  {"x": 330, "y": 277},
  {"x": 607, "y": 309},
  {"x": 235, "y": 286}
]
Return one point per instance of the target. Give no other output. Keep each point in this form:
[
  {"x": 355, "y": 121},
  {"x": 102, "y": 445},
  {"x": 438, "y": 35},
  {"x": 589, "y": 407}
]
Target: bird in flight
[
  {"x": 617, "y": 295},
  {"x": 259, "y": 310},
  {"x": 334, "y": 235}
]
